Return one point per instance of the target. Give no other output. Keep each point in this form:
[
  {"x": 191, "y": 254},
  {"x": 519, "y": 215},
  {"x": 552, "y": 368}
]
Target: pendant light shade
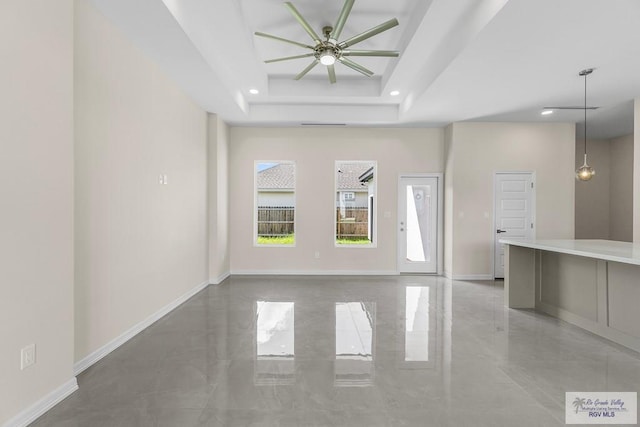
[{"x": 585, "y": 172}]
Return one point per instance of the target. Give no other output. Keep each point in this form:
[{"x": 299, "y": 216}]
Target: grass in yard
[
  {"x": 276, "y": 240},
  {"x": 360, "y": 241}
]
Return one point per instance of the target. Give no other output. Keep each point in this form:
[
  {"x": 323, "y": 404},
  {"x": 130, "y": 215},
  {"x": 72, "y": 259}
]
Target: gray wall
[
  {"x": 621, "y": 194},
  {"x": 604, "y": 205}
]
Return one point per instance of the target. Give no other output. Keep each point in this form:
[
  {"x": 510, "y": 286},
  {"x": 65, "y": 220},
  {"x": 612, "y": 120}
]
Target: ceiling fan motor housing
[{"x": 327, "y": 49}]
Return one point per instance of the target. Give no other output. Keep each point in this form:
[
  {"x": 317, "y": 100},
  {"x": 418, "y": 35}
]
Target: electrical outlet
[
  {"x": 27, "y": 356},
  {"x": 317, "y": 254}
]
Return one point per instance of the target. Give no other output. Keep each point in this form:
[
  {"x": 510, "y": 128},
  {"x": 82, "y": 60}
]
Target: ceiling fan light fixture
[{"x": 328, "y": 57}]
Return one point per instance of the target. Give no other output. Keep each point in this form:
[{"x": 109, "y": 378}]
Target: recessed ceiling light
[
  {"x": 546, "y": 112},
  {"x": 254, "y": 91},
  {"x": 394, "y": 93}
]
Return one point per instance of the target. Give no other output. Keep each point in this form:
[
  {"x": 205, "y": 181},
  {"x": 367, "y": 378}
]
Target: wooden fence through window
[
  {"x": 352, "y": 223},
  {"x": 275, "y": 220}
]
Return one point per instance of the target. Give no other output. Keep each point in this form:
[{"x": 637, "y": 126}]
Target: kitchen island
[{"x": 594, "y": 284}]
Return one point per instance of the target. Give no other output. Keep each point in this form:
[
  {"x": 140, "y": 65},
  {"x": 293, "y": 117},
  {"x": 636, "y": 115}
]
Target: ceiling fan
[{"x": 329, "y": 51}]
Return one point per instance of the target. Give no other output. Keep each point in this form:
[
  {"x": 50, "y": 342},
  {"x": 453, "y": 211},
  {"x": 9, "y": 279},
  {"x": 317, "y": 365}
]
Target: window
[
  {"x": 348, "y": 196},
  {"x": 355, "y": 208},
  {"x": 275, "y": 203}
]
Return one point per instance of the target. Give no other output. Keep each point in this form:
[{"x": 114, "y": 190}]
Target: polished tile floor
[{"x": 347, "y": 351}]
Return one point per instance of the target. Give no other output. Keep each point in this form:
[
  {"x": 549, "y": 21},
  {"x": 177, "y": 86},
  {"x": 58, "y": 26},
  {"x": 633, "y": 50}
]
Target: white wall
[
  {"x": 218, "y": 198},
  {"x": 621, "y": 189},
  {"x": 477, "y": 151},
  {"x": 36, "y": 199},
  {"x": 592, "y": 197},
  {"x": 139, "y": 245},
  {"x": 315, "y": 152}
]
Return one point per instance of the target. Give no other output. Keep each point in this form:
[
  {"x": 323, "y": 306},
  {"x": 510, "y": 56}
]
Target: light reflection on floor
[{"x": 347, "y": 351}]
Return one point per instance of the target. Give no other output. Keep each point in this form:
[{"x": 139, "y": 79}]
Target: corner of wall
[
  {"x": 636, "y": 171},
  {"x": 448, "y": 162},
  {"x": 218, "y": 198}
]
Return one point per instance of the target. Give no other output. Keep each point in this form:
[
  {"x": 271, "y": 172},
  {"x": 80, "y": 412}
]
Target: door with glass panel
[{"x": 418, "y": 224}]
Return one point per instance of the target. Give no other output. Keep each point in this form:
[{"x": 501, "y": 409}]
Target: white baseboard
[
  {"x": 314, "y": 273},
  {"x": 36, "y": 410},
  {"x": 472, "y": 277},
  {"x": 95, "y": 356},
  {"x": 220, "y": 278}
]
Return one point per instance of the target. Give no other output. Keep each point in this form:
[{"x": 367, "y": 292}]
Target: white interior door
[
  {"x": 513, "y": 213},
  {"x": 418, "y": 225}
]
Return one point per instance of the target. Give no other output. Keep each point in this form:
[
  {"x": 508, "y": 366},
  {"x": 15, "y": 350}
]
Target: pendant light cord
[{"x": 585, "y": 115}]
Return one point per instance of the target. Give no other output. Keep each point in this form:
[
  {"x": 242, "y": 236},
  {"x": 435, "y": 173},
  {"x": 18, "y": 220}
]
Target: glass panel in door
[{"x": 417, "y": 237}]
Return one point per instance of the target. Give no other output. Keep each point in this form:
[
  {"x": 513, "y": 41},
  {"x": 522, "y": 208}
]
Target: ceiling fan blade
[
  {"x": 369, "y": 33},
  {"x": 359, "y": 68},
  {"x": 302, "y": 21},
  {"x": 269, "y": 36},
  {"x": 306, "y": 70},
  {"x": 287, "y": 58},
  {"x": 342, "y": 19},
  {"x": 332, "y": 73},
  {"x": 388, "y": 53}
]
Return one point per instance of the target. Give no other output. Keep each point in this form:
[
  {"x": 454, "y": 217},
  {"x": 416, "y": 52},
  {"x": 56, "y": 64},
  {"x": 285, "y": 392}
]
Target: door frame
[
  {"x": 493, "y": 217},
  {"x": 440, "y": 219}
]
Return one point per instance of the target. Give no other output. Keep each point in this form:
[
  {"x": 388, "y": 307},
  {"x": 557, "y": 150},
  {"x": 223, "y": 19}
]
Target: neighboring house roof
[
  {"x": 348, "y": 177},
  {"x": 367, "y": 175},
  {"x": 280, "y": 176}
]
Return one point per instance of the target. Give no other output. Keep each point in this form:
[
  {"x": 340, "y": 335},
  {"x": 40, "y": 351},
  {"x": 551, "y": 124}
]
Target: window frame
[
  {"x": 373, "y": 244},
  {"x": 255, "y": 204}
]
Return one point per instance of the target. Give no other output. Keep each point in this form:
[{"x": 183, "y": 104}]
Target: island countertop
[{"x": 608, "y": 250}]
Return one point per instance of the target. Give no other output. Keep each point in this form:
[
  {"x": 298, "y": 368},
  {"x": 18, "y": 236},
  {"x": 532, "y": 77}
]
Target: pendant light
[{"x": 585, "y": 172}]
